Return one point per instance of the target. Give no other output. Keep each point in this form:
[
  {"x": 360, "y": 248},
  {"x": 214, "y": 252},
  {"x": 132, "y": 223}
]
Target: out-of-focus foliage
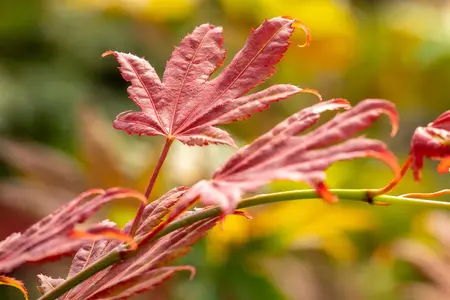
[
  {"x": 429, "y": 257},
  {"x": 294, "y": 226},
  {"x": 58, "y": 99},
  {"x": 156, "y": 10}
]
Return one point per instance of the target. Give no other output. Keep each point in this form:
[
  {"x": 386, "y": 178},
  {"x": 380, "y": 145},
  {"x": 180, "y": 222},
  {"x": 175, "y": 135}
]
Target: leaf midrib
[
  {"x": 149, "y": 95},
  {"x": 183, "y": 125},
  {"x": 184, "y": 81}
]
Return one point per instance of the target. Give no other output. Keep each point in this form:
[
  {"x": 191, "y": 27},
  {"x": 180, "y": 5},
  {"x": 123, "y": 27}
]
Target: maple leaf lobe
[
  {"x": 147, "y": 268},
  {"x": 55, "y": 236},
  {"x": 280, "y": 154}
]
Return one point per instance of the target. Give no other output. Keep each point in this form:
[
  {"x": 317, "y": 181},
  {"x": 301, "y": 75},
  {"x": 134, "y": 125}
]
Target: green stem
[
  {"x": 108, "y": 260},
  {"x": 351, "y": 195},
  {"x": 151, "y": 184}
]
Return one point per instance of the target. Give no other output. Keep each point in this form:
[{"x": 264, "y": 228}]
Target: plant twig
[
  {"x": 343, "y": 194},
  {"x": 151, "y": 184}
]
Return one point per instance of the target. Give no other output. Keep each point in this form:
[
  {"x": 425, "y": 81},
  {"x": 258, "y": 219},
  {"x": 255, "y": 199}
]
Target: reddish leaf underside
[
  {"x": 186, "y": 105},
  {"x": 55, "y": 235},
  {"x": 147, "y": 268},
  {"x": 279, "y": 154},
  {"x": 432, "y": 141}
]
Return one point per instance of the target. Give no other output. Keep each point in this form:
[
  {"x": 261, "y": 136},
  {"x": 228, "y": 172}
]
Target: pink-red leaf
[
  {"x": 55, "y": 235},
  {"x": 151, "y": 257},
  {"x": 279, "y": 154},
  {"x": 432, "y": 141},
  {"x": 186, "y": 105},
  {"x": 148, "y": 267}
]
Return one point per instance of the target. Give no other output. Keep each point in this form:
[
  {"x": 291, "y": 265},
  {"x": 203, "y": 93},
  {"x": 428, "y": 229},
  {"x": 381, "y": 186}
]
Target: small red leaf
[
  {"x": 54, "y": 235},
  {"x": 14, "y": 283},
  {"x": 432, "y": 141},
  {"x": 187, "y": 105},
  {"x": 279, "y": 154}
]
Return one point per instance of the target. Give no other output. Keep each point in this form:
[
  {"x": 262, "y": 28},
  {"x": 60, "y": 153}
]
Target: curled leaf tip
[
  {"x": 188, "y": 268},
  {"x": 4, "y": 280},
  {"x": 341, "y": 101},
  {"x": 394, "y": 122},
  {"x": 92, "y": 192},
  {"x": 380, "y": 106},
  {"x": 139, "y": 196},
  {"x": 312, "y": 91},
  {"x": 392, "y": 113},
  {"x": 299, "y": 24},
  {"x": 106, "y": 53},
  {"x": 127, "y": 193}
]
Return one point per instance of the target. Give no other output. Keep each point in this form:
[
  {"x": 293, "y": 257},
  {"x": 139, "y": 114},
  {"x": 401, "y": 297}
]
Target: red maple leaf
[
  {"x": 55, "y": 235},
  {"x": 186, "y": 105},
  {"x": 142, "y": 272},
  {"x": 432, "y": 141},
  {"x": 279, "y": 154}
]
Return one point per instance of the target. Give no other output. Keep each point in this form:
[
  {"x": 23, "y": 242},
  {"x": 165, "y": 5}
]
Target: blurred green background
[{"x": 58, "y": 99}]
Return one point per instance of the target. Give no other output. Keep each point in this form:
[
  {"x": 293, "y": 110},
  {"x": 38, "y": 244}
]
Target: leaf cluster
[{"x": 186, "y": 105}]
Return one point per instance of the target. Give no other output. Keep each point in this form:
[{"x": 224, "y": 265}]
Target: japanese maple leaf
[
  {"x": 55, "y": 235},
  {"x": 279, "y": 154},
  {"x": 186, "y": 105},
  {"x": 432, "y": 141},
  {"x": 141, "y": 272}
]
